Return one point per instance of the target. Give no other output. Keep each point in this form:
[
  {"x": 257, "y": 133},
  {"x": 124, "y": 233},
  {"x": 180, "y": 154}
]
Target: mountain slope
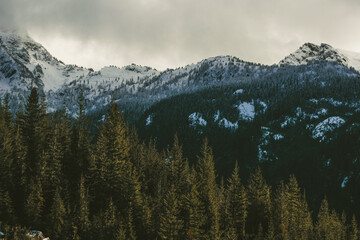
[
  {"x": 25, "y": 64},
  {"x": 23, "y": 58}
]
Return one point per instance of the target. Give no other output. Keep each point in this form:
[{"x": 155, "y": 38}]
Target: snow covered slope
[
  {"x": 25, "y": 64},
  {"x": 24, "y": 60},
  {"x": 310, "y": 52}
]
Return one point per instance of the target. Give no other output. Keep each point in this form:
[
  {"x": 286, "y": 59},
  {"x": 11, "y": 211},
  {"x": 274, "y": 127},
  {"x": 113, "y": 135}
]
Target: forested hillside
[{"x": 57, "y": 178}]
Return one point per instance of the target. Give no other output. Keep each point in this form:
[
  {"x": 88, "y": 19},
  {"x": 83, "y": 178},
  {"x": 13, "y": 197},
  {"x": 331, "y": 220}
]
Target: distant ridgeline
[{"x": 55, "y": 180}]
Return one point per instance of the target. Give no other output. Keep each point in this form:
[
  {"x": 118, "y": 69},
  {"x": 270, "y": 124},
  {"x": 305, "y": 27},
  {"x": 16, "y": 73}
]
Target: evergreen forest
[{"x": 58, "y": 177}]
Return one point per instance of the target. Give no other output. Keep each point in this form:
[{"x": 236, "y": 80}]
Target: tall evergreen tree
[
  {"x": 170, "y": 222},
  {"x": 209, "y": 191},
  {"x": 80, "y": 144},
  {"x": 57, "y": 215},
  {"x": 18, "y": 169},
  {"x": 196, "y": 210},
  {"x": 329, "y": 225},
  {"x": 259, "y": 213},
  {"x": 34, "y": 204},
  {"x": 6, "y": 162},
  {"x": 111, "y": 164},
  {"x": 33, "y": 133},
  {"x": 236, "y": 205},
  {"x": 82, "y": 213},
  {"x": 291, "y": 214},
  {"x": 354, "y": 230}
]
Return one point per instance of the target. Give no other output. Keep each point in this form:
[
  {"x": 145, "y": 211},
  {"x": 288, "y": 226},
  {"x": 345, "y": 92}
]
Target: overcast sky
[{"x": 172, "y": 33}]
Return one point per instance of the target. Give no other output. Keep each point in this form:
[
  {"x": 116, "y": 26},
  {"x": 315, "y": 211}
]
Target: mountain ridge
[
  {"x": 25, "y": 63},
  {"x": 310, "y": 52}
]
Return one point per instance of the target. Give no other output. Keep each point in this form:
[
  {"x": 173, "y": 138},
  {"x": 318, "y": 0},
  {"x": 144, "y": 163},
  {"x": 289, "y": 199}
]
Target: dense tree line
[
  {"x": 54, "y": 178},
  {"x": 320, "y": 167}
]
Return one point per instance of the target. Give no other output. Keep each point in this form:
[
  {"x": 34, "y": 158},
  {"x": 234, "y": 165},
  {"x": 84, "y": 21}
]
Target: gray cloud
[{"x": 171, "y": 33}]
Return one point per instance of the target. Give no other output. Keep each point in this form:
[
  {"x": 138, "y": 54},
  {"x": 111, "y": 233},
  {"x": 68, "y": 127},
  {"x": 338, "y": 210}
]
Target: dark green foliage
[
  {"x": 120, "y": 188},
  {"x": 259, "y": 195},
  {"x": 170, "y": 219},
  {"x": 236, "y": 205}
]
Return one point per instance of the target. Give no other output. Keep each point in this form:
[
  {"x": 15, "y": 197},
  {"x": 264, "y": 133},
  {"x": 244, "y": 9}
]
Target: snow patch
[
  {"x": 246, "y": 111},
  {"x": 263, "y": 105},
  {"x": 263, "y": 154},
  {"x": 326, "y": 126},
  {"x": 289, "y": 121},
  {"x": 196, "y": 119},
  {"x": 278, "y": 137},
  {"x": 344, "y": 182},
  {"x": 322, "y": 111},
  {"x": 239, "y": 91},
  {"x": 227, "y": 124},
  {"x": 149, "y": 120},
  {"x": 217, "y": 116}
]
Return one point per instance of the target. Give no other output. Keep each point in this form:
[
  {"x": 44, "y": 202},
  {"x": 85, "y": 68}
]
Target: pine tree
[
  {"x": 34, "y": 203},
  {"x": 57, "y": 215},
  {"x": 52, "y": 163},
  {"x": 281, "y": 212},
  {"x": 170, "y": 223},
  {"x": 6, "y": 207},
  {"x": 120, "y": 233},
  {"x": 6, "y": 174},
  {"x": 131, "y": 229},
  {"x": 177, "y": 168},
  {"x": 291, "y": 213},
  {"x": 259, "y": 203},
  {"x": 208, "y": 190},
  {"x": 83, "y": 210},
  {"x": 18, "y": 169},
  {"x": 236, "y": 204},
  {"x": 111, "y": 164},
  {"x": 196, "y": 210},
  {"x": 33, "y": 133},
  {"x": 80, "y": 143},
  {"x": 354, "y": 231},
  {"x": 110, "y": 220},
  {"x": 329, "y": 225}
]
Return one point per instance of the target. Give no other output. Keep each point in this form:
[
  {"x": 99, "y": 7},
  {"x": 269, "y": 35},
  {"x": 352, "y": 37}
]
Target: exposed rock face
[{"x": 310, "y": 52}]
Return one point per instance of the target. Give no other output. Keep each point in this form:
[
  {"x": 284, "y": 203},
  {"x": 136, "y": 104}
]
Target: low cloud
[{"x": 171, "y": 33}]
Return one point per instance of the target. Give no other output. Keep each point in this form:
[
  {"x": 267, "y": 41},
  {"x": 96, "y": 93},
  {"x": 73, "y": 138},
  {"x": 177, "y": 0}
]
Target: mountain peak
[{"x": 310, "y": 52}]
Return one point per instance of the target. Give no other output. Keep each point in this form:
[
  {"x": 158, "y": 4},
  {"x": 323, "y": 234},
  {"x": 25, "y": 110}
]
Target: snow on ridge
[
  {"x": 196, "y": 119},
  {"x": 310, "y": 52},
  {"x": 223, "y": 122},
  {"x": 227, "y": 124},
  {"x": 326, "y": 126}
]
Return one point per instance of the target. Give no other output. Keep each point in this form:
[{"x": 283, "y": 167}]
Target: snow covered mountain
[
  {"x": 309, "y": 53},
  {"x": 24, "y": 60},
  {"x": 25, "y": 64}
]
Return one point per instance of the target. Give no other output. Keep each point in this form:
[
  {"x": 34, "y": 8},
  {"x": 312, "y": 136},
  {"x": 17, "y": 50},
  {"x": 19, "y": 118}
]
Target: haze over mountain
[{"x": 24, "y": 64}]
